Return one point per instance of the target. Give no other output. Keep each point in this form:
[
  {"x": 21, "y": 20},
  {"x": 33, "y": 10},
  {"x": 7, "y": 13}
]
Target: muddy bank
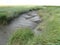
[{"x": 7, "y": 16}]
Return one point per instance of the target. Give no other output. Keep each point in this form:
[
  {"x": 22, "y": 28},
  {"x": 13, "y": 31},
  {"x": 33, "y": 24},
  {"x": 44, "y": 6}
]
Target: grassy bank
[
  {"x": 50, "y": 26},
  {"x": 8, "y": 13}
]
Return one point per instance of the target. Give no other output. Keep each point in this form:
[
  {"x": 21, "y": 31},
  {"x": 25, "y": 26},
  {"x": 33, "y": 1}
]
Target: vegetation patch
[
  {"x": 21, "y": 37},
  {"x": 50, "y": 26}
]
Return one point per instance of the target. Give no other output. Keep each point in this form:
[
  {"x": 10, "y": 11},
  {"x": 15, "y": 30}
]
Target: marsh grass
[
  {"x": 21, "y": 37},
  {"x": 50, "y": 26},
  {"x": 24, "y": 36}
]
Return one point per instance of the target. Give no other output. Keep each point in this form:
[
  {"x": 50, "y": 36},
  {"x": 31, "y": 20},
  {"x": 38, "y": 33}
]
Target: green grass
[
  {"x": 50, "y": 26},
  {"x": 24, "y": 36},
  {"x": 21, "y": 37},
  {"x": 7, "y": 13}
]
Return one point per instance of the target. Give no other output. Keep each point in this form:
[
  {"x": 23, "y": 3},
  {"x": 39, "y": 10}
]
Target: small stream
[{"x": 30, "y": 19}]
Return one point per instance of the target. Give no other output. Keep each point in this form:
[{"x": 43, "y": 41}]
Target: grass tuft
[{"x": 21, "y": 37}]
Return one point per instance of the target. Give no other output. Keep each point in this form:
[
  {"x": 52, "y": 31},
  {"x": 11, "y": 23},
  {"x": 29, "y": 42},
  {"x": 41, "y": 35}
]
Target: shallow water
[{"x": 30, "y": 19}]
